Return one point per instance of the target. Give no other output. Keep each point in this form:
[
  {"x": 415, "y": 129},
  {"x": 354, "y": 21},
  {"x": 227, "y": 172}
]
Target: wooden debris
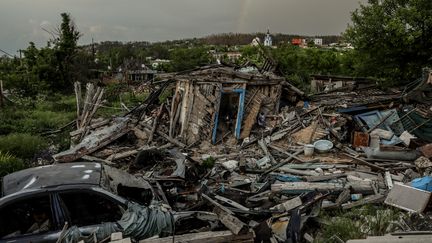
[
  {"x": 378, "y": 198},
  {"x": 288, "y": 205},
  {"x": 205, "y": 237},
  {"x": 94, "y": 141},
  {"x": 299, "y": 187},
  {"x": 423, "y": 162},
  {"x": 231, "y": 222},
  {"x": 166, "y": 137},
  {"x": 363, "y": 162},
  {"x": 308, "y": 134}
]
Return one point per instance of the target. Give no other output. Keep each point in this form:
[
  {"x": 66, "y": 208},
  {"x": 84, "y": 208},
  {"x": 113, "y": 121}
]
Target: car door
[
  {"x": 88, "y": 209},
  {"x": 30, "y": 218}
]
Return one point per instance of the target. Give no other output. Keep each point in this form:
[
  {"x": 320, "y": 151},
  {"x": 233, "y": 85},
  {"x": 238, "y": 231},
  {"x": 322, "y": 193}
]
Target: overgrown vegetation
[
  {"x": 22, "y": 124},
  {"x": 359, "y": 223},
  {"x": 9, "y": 164},
  {"x": 22, "y": 145}
]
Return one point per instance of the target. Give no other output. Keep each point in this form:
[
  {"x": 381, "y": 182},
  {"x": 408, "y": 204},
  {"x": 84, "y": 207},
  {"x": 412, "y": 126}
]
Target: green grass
[
  {"x": 9, "y": 164},
  {"x": 22, "y": 145},
  {"x": 358, "y": 223},
  {"x": 22, "y": 124}
]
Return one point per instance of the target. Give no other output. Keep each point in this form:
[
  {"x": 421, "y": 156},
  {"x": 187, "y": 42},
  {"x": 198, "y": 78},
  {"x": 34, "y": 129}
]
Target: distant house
[
  {"x": 158, "y": 62},
  {"x": 256, "y": 41},
  {"x": 140, "y": 75},
  {"x": 232, "y": 56},
  {"x": 130, "y": 72},
  {"x": 268, "y": 39},
  {"x": 298, "y": 42},
  {"x": 318, "y": 41},
  {"x": 326, "y": 83}
]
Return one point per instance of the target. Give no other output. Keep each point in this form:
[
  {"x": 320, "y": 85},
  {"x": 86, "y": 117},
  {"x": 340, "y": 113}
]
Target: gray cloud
[{"x": 21, "y": 21}]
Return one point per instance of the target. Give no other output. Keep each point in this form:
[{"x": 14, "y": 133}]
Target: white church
[{"x": 268, "y": 39}]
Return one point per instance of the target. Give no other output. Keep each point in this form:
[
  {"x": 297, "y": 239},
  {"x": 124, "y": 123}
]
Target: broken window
[
  {"x": 26, "y": 216},
  {"x": 85, "y": 208}
]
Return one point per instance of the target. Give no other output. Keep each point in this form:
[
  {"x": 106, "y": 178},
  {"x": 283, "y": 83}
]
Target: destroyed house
[
  {"x": 325, "y": 83},
  {"x": 214, "y": 102}
]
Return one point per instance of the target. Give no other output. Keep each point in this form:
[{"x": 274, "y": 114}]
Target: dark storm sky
[{"x": 21, "y": 21}]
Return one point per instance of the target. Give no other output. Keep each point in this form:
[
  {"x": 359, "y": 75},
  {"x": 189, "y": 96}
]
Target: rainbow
[{"x": 244, "y": 8}]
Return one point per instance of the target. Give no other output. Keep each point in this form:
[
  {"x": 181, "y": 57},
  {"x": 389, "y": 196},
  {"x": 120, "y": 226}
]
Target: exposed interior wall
[
  {"x": 200, "y": 101},
  {"x": 199, "y": 112},
  {"x": 259, "y": 98}
]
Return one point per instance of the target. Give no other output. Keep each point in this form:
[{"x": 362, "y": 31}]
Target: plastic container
[
  {"x": 323, "y": 146},
  {"x": 308, "y": 149},
  {"x": 374, "y": 142}
]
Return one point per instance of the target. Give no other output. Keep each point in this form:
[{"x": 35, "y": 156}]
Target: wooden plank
[
  {"x": 92, "y": 126},
  {"x": 363, "y": 162},
  {"x": 205, "y": 237},
  {"x": 286, "y": 153},
  {"x": 95, "y": 159},
  {"x": 282, "y": 163},
  {"x": 231, "y": 222},
  {"x": 377, "y": 198},
  {"x": 251, "y": 117},
  {"x": 324, "y": 177},
  {"x": 216, "y": 204},
  {"x": 166, "y": 137},
  {"x": 295, "y": 187},
  {"x": 155, "y": 123},
  {"x": 232, "y": 203},
  {"x": 93, "y": 142},
  {"x": 288, "y": 205},
  {"x": 309, "y": 173},
  {"x": 78, "y": 99},
  {"x": 264, "y": 148}
]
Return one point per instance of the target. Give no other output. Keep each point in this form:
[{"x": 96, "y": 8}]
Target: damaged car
[{"x": 36, "y": 203}]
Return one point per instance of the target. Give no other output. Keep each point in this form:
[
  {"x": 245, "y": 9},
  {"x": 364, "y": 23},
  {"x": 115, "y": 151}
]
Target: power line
[{"x": 6, "y": 53}]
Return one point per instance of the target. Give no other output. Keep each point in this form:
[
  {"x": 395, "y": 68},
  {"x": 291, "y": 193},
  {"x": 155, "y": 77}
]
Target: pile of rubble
[{"x": 251, "y": 149}]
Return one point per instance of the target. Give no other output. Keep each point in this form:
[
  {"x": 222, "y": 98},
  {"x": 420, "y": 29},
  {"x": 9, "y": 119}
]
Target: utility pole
[
  {"x": 93, "y": 50},
  {"x": 20, "y": 56},
  {"x": 1, "y": 94}
]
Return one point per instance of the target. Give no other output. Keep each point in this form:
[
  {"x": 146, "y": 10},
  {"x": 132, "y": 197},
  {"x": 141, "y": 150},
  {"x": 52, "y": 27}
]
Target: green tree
[
  {"x": 189, "y": 58},
  {"x": 65, "y": 47},
  {"x": 392, "y": 38}
]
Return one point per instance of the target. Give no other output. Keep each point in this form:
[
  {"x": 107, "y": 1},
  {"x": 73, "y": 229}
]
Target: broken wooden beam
[
  {"x": 377, "y": 198},
  {"x": 363, "y": 162},
  {"x": 231, "y": 222},
  {"x": 300, "y": 187},
  {"x": 94, "y": 141},
  {"x": 164, "y": 136},
  {"x": 282, "y": 163},
  {"x": 205, "y": 237},
  {"x": 324, "y": 177},
  {"x": 155, "y": 123}
]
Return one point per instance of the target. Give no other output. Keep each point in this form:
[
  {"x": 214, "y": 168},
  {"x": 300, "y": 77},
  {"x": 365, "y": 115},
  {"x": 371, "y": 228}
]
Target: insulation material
[{"x": 138, "y": 222}]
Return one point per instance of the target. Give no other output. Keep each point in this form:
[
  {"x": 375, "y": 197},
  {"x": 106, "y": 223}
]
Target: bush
[
  {"x": 22, "y": 145},
  {"x": 359, "y": 223},
  {"x": 10, "y": 164}
]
